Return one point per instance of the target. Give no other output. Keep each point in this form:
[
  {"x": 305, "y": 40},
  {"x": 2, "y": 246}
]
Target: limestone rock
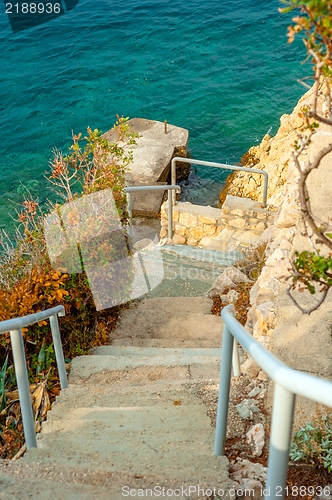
[
  {"x": 246, "y": 408},
  {"x": 250, "y": 368},
  {"x": 262, "y": 376},
  {"x": 228, "y": 279},
  {"x": 230, "y": 298},
  {"x": 209, "y": 230},
  {"x": 274, "y": 155},
  {"x": 206, "y": 220},
  {"x": 255, "y": 437},
  {"x": 188, "y": 220},
  {"x": 178, "y": 239},
  {"x": 238, "y": 223},
  {"x": 249, "y": 475},
  {"x": 197, "y": 232},
  {"x": 265, "y": 316},
  {"x": 205, "y": 242},
  {"x": 181, "y": 230}
]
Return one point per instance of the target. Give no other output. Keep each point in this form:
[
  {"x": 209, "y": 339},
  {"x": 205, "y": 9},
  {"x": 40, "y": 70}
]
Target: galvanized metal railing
[
  {"x": 218, "y": 165},
  {"x": 14, "y": 326},
  {"x": 288, "y": 383},
  {"x": 172, "y": 187}
]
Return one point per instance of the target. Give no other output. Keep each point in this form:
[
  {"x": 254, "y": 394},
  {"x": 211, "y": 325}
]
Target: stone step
[
  {"x": 186, "y": 452},
  {"x": 176, "y": 305},
  {"x": 189, "y": 343},
  {"x": 134, "y": 419},
  {"x": 85, "y": 366},
  {"x": 139, "y": 352},
  {"x": 105, "y": 395},
  {"x": 166, "y": 432},
  {"x": 63, "y": 482},
  {"x": 196, "y": 255},
  {"x": 159, "y": 324}
]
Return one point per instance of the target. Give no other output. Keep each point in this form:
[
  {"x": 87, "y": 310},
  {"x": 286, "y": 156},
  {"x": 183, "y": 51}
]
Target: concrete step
[
  {"x": 159, "y": 324},
  {"x": 212, "y": 258},
  {"x": 190, "y": 271},
  {"x": 111, "y": 394},
  {"x": 85, "y": 366},
  {"x": 130, "y": 351},
  {"x": 144, "y": 439},
  {"x": 191, "y": 343},
  {"x": 176, "y": 305},
  {"x": 165, "y": 432},
  {"x": 63, "y": 482}
]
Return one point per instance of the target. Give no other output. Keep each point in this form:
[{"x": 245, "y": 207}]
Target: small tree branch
[{"x": 311, "y": 309}]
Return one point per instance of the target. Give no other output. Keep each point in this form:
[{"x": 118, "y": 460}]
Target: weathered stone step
[
  {"x": 62, "y": 482},
  {"x": 176, "y": 305},
  {"x": 217, "y": 258},
  {"x": 134, "y": 418},
  {"x": 107, "y": 446},
  {"x": 85, "y": 366},
  {"x": 76, "y": 487},
  {"x": 159, "y": 324},
  {"x": 188, "y": 343},
  {"x": 128, "y": 351},
  {"x": 114, "y": 395}
]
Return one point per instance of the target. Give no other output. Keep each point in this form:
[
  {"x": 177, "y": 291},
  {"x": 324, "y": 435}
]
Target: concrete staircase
[{"x": 132, "y": 417}]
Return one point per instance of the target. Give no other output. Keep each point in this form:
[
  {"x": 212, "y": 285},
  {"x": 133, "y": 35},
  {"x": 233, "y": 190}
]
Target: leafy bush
[
  {"x": 29, "y": 283},
  {"x": 313, "y": 443}
]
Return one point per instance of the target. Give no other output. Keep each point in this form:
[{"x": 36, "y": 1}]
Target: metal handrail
[
  {"x": 14, "y": 326},
  {"x": 219, "y": 165},
  {"x": 173, "y": 186},
  {"x": 288, "y": 383}
]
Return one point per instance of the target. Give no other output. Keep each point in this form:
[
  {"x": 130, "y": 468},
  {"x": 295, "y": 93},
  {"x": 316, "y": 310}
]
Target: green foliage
[
  {"x": 93, "y": 164},
  {"x": 315, "y": 22},
  {"x": 313, "y": 443},
  {"x": 28, "y": 283},
  {"x": 46, "y": 358},
  {"x": 3, "y": 385},
  {"x": 312, "y": 267}
]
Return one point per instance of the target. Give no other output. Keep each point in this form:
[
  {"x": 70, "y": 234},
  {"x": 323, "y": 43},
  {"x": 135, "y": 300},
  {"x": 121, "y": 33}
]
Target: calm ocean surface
[{"x": 223, "y": 70}]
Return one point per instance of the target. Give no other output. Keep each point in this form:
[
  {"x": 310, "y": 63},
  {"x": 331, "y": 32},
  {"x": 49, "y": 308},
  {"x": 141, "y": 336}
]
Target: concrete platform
[{"x": 152, "y": 159}]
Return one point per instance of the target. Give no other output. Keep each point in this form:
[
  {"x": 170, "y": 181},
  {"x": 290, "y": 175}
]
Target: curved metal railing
[
  {"x": 288, "y": 383},
  {"x": 219, "y": 165},
  {"x": 14, "y": 326}
]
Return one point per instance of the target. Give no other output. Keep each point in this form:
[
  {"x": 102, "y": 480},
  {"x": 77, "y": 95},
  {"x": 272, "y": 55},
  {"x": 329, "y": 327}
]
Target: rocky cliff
[
  {"x": 296, "y": 337},
  {"x": 273, "y": 155}
]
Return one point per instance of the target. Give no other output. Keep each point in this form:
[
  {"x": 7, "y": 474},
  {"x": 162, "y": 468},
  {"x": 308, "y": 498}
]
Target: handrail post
[
  {"x": 173, "y": 179},
  {"x": 130, "y": 210},
  {"x": 170, "y": 213},
  {"x": 224, "y": 388},
  {"x": 23, "y": 388},
  {"x": 236, "y": 359},
  {"x": 281, "y": 431},
  {"x": 58, "y": 351},
  {"x": 266, "y": 180}
]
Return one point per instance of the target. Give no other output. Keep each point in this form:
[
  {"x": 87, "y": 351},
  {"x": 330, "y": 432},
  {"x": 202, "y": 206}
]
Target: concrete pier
[{"x": 157, "y": 145}]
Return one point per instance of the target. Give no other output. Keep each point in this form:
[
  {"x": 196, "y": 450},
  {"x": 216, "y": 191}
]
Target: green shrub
[{"x": 313, "y": 443}]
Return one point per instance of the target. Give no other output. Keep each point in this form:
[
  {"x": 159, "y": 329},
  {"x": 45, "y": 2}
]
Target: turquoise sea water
[{"x": 223, "y": 70}]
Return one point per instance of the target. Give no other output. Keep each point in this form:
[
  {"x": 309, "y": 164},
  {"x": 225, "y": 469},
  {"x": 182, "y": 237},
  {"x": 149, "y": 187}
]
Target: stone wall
[
  {"x": 239, "y": 223},
  {"x": 191, "y": 223}
]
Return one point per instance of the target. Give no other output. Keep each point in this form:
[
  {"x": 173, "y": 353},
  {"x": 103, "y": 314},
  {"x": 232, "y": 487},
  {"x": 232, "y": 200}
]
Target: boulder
[{"x": 229, "y": 279}]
